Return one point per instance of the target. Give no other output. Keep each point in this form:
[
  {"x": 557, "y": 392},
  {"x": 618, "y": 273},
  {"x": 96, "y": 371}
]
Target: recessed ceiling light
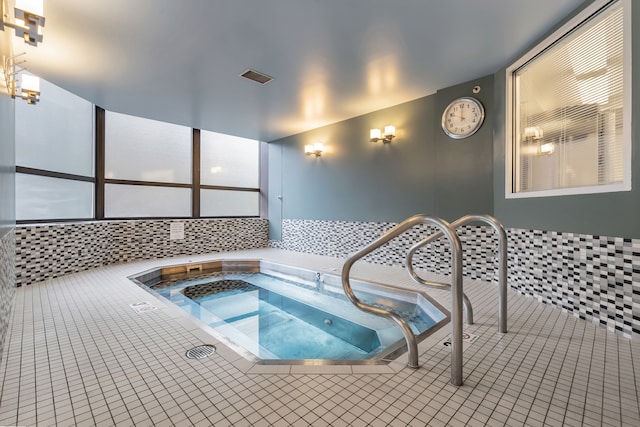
[{"x": 256, "y": 76}]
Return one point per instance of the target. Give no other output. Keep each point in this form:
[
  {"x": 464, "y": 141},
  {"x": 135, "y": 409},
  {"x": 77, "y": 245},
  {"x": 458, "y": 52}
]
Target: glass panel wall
[
  {"x": 55, "y": 156},
  {"x": 229, "y": 161},
  {"x": 43, "y": 197},
  {"x": 148, "y": 165},
  {"x": 138, "y": 149},
  {"x": 229, "y": 203},
  {"x": 56, "y": 134},
  {"x": 146, "y": 201}
]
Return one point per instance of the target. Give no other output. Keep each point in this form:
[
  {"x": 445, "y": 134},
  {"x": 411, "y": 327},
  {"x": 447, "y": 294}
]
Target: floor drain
[{"x": 201, "y": 351}]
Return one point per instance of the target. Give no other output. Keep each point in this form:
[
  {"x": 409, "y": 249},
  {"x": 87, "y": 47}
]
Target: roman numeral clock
[{"x": 462, "y": 117}]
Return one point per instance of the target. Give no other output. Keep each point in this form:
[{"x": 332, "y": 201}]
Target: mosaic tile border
[
  {"x": 7, "y": 282},
  {"x": 594, "y": 278},
  {"x": 340, "y": 238},
  {"x": 52, "y": 250}
]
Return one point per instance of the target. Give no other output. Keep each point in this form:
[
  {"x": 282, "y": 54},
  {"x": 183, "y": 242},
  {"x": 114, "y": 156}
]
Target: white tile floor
[{"x": 77, "y": 354}]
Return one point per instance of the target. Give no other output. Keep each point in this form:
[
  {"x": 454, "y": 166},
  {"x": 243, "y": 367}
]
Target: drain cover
[{"x": 201, "y": 351}]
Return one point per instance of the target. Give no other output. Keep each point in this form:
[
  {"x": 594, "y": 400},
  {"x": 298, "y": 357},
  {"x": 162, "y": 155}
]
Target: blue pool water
[{"x": 276, "y": 318}]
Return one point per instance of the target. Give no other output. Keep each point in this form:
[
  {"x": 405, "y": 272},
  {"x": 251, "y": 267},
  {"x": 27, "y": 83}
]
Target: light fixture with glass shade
[
  {"x": 18, "y": 83},
  {"x": 314, "y": 149},
  {"x": 30, "y": 88},
  {"x": 28, "y": 21},
  {"x": 547, "y": 148},
  {"x": 376, "y": 135}
]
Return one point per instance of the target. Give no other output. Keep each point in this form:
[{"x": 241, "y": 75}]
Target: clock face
[{"x": 462, "y": 117}]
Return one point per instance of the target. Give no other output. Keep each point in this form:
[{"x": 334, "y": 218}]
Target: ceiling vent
[{"x": 256, "y": 76}]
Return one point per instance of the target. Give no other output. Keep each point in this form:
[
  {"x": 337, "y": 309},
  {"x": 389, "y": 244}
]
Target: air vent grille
[{"x": 256, "y": 76}]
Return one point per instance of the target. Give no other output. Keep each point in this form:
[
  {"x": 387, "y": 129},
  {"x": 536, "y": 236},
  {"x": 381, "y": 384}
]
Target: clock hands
[{"x": 462, "y": 117}]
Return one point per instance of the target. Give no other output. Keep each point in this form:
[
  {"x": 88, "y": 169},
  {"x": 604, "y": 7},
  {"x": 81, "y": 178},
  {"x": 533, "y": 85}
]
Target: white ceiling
[{"x": 179, "y": 61}]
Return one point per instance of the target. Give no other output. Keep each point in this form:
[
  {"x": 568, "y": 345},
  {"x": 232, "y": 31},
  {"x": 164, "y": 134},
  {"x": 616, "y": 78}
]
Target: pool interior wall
[{"x": 267, "y": 323}]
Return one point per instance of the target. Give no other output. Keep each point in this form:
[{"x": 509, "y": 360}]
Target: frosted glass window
[
  {"x": 229, "y": 203},
  {"x": 229, "y": 161},
  {"x": 141, "y": 201},
  {"x": 140, "y": 149},
  {"x": 570, "y": 111},
  {"x": 56, "y": 134},
  {"x": 41, "y": 197}
]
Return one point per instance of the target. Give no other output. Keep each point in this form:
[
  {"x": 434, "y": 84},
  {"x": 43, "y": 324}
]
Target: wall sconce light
[
  {"x": 29, "y": 20},
  {"x": 29, "y": 87},
  {"x": 547, "y": 148},
  {"x": 389, "y": 133},
  {"x": 315, "y": 149},
  {"x": 533, "y": 132}
]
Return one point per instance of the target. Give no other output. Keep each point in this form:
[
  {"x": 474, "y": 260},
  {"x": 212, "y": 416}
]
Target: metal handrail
[
  {"x": 502, "y": 265},
  {"x": 466, "y": 302},
  {"x": 456, "y": 290}
]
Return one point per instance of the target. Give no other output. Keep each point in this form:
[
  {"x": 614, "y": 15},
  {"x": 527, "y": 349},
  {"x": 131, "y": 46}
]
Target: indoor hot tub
[{"x": 277, "y": 314}]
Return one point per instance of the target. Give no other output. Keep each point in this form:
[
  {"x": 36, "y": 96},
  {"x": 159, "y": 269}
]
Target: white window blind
[{"x": 568, "y": 109}]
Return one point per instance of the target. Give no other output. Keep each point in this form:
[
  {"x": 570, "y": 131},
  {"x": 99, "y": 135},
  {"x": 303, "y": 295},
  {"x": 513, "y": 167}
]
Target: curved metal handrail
[
  {"x": 466, "y": 302},
  {"x": 502, "y": 265},
  {"x": 456, "y": 290}
]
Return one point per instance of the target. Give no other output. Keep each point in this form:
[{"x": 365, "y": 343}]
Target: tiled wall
[
  {"x": 52, "y": 250},
  {"x": 592, "y": 277},
  {"x": 7, "y": 282},
  {"x": 596, "y": 278},
  {"x": 340, "y": 238}
]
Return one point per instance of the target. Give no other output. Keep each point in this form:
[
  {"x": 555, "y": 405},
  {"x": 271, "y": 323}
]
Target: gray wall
[
  {"x": 420, "y": 171},
  {"x": 464, "y": 167},
  {"x": 608, "y": 214},
  {"x": 424, "y": 171}
]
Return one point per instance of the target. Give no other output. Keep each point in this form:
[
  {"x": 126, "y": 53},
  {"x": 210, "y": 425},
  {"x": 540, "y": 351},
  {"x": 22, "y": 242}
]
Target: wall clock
[{"x": 462, "y": 117}]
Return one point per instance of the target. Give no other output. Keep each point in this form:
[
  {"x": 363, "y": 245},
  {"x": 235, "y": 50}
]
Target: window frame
[
  {"x": 195, "y": 184},
  {"x": 26, "y": 170},
  {"x": 262, "y": 183},
  {"x": 100, "y": 181},
  {"x": 58, "y": 175},
  {"x": 511, "y": 106}
]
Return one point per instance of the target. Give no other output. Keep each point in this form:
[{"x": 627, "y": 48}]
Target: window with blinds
[{"x": 570, "y": 109}]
